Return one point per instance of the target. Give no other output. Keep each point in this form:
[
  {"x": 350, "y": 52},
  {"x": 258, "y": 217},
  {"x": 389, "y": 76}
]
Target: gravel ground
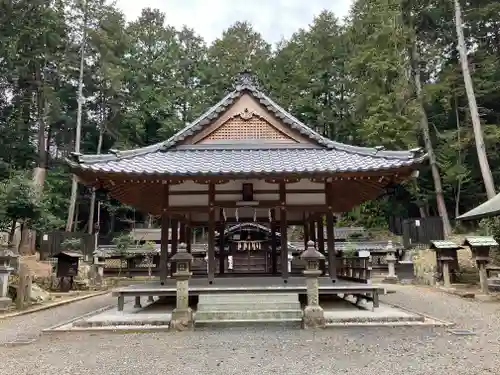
[{"x": 370, "y": 351}]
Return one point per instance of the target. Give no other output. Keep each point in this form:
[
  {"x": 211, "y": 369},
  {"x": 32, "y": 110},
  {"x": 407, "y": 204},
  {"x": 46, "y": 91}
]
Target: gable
[
  {"x": 247, "y": 120},
  {"x": 247, "y": 125}
]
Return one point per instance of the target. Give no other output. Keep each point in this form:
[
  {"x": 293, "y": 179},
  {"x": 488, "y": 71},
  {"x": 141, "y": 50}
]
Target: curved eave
[
  {"x": 415, "y": 164},
  {"x": 280, "y": 113}
]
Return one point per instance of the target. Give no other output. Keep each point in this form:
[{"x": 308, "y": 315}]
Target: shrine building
[{"x": 246, "y": 159}]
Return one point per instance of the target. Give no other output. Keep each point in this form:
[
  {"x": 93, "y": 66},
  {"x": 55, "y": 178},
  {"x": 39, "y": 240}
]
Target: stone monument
[
  {"x": 182, "y": 316},
  {"x": 23, "y": 298},
  {"x": 5, "y": 270},
  {"x": 313, "y": 313}
]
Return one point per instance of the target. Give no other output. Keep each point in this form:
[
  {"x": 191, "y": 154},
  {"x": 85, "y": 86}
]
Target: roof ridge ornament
[{"x": 246, "y": 79}]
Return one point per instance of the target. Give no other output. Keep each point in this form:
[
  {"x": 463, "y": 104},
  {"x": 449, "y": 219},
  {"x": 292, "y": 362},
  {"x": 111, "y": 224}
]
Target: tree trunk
[
  {"x": 12, "y": 232},
  {"x": 424, "y": 127},
  {"x": 74, "y": 185},
  {"x": 471, "y": 97},
  {"x": 92, "y": 198},
  {"x": 459, "y": 161},
  {"x": 41, "y": 169}
]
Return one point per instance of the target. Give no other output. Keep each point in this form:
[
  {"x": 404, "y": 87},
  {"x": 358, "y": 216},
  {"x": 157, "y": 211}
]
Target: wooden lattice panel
[{"x": 240, "y": 129}]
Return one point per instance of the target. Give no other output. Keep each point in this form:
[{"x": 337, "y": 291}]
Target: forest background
[{"x": 384, "y": 76}]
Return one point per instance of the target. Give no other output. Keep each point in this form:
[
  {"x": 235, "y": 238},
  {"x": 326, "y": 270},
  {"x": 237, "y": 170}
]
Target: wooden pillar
[
  {"x": 321, "y": 243},
  {"x": 330, "y": 232},
  {"x": 175, "y": 242},
  {"x": 284, "y": 233},
  {"x": 312, "y": 229},
  {"x": 306, "y": 232},
  {"x": 164, "y": 235},
  {"x": 321, "y": 236},
  {"x": 182, "y": 232},
  {"x": 211, "y": 233},
  {"x": 274, "y": 252},
  {"x": 222, "y": 255},
  {"x": 188, "y": 236}
]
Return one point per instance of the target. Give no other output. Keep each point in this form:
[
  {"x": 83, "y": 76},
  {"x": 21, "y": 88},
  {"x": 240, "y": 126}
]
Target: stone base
[
  {"x": 5, "y": 303},
  {"x": 485, "y": 297},
  {"x": 182, "y": 319},
  {"x": 314, "y": 317},
  {"x": 390, "y": 279}
]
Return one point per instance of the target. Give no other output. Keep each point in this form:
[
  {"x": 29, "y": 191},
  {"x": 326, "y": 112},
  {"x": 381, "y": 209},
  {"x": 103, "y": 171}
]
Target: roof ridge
[{"x": 247, "y": 84}]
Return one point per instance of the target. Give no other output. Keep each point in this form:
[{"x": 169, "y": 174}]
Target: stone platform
[
  {"x": 155, "y": 316},
  {"x": 250, "y": 285}
]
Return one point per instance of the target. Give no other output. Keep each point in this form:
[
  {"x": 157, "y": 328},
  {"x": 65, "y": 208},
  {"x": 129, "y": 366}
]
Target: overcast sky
[{"x": 274, "y": 19}]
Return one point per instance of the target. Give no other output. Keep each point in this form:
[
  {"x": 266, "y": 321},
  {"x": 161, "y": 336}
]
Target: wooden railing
[{"x": 354, "y": 269}]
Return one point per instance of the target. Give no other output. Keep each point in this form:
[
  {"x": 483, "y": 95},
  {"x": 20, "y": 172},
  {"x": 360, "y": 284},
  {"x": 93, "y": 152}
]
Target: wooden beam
[
  {"x": 261, "y": 220},
  {"x": 164, "y": 236},
  {"x": 238, "y": 192},
  {"x": 267, "y": 205}
]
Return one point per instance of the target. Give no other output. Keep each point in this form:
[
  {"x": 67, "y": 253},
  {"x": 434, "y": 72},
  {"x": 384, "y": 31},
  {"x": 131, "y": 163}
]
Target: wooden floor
[{"x": 269, "y": 284}]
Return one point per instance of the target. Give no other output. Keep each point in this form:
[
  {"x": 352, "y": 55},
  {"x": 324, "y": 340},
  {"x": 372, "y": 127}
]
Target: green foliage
[
  {"x": 21, "y": 202},
  {"x": 145, "y": 79},
  {"x": 72, "y": 244},
  {"x": 123, "y": 242}
]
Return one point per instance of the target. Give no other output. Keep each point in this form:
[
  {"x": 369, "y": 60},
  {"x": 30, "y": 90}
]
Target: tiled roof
[
  {"x": 487, "y": 209},
  {"x": 479, "y": 241},
  {"x": 245, "y": 161},
  {"x": 323, "y": 156},
  {"x": 444, "y": 244}
]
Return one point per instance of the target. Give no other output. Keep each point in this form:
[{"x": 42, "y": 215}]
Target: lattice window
[{"x": 254, "y": 128}]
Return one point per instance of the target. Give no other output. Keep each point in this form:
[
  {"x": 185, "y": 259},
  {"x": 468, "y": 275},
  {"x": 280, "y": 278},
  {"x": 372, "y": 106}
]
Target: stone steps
[
  {"x": 247, "y": 309},
  {"x": 246, "y": 297},
  {"x": 249, "y": 315}
]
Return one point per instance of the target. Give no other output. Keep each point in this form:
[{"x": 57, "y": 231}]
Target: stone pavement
[
  {"x": 353, "y": 350},
  {"x": 30, "y": 326}
]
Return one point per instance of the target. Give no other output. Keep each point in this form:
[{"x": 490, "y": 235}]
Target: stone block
[
  {"x": 182, "y": 319},
  {"x": 390, "y": 280},
  {"x": 5, "y": 302},
  {"x": 314, "y": 317}
]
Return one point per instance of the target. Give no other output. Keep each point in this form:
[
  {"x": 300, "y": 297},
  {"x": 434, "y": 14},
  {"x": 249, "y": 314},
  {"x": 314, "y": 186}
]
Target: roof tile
[{"x": 244, "y": 161}]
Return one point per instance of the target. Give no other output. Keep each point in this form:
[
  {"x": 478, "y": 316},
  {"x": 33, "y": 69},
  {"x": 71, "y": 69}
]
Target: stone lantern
[
  {"x": 6, "y": 255},
  {"x": 313, "y": 313},
  {"x": 391, "y": 259},
  {"x": 182, "y": 316},
  {"x": 480, "y": 247}
]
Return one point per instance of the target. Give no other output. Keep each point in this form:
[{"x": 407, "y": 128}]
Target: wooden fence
[
  {"x": 51, "y": 243},
  {"x": 420, "y": 232},
  {"x": 354, "y": 269}
]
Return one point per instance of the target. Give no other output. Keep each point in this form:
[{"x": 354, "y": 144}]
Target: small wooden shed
[{"x": 67, "y": 263}]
